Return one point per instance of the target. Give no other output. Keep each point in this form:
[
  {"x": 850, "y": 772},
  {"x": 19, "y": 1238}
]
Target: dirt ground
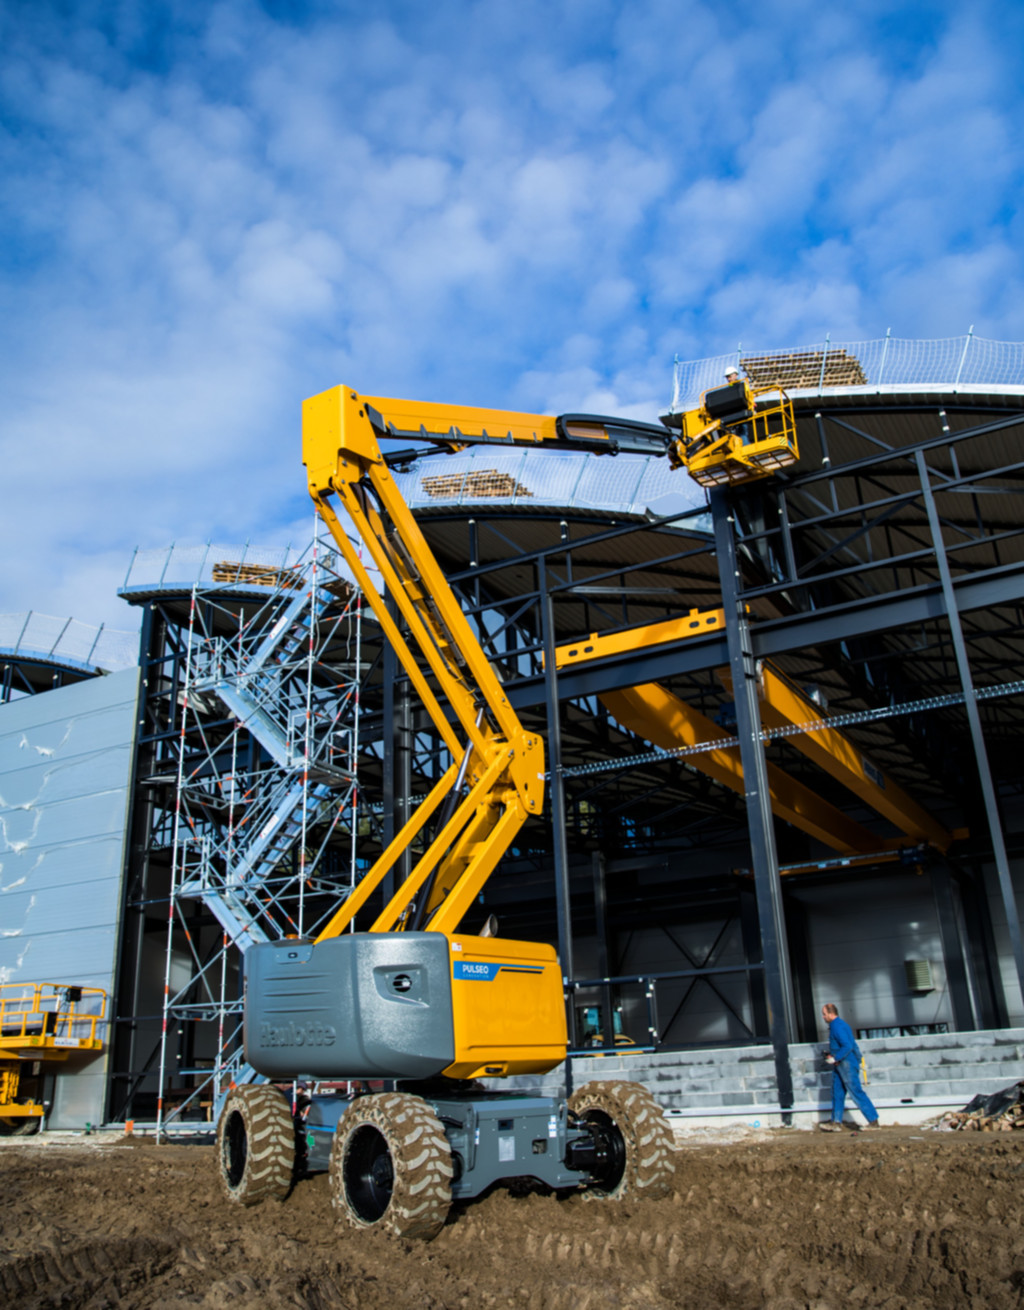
[{"x": 899, "y": 1219}]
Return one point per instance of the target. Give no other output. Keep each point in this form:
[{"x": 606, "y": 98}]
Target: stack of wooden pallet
[
  {"x": 999, "y": 1113},
  {"x": 803, "y": 369},
  {"x": 479, "y": 485},
  {"x": 260, "y": 575}
]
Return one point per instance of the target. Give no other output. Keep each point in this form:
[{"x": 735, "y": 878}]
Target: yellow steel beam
[
  {"x": 598, "y": 645},
  {"x": 663, "y": 719},
  {"x": 785, "y": 705}
]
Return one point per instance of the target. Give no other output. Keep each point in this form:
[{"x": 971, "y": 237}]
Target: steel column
[
  {"x": 974, "y": 721},
  {"x": 984, "y": 952},
  {"x": 389, "y": 826},
  {"x": 124, "y": 1004},
  {"x": 556, "y": 790},
  {"x": 397, "y": 760},
  {"x": 604, "y": 966},
  {"x": 957, "y": 982},
  {"x": 750, "y": 932},
  {"x": 760, "y": 823},
  {"x": 797, "y": 937}
]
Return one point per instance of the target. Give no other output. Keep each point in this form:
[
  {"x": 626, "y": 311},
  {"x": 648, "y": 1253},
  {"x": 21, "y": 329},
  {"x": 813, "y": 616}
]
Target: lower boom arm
[{"x": 497, "y": 763}]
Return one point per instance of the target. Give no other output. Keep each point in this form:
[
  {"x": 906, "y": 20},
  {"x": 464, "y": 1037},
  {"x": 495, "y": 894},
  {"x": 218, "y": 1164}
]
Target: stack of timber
[
  {"x": 803, "y": 369},
  {"x": 999, "y": 1113},
  {"x": 480, "y": 485},
  {"x": 260, "y": 575}
]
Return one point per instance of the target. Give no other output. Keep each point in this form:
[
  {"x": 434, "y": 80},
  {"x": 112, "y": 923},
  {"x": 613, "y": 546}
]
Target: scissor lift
[{"x": 42, "y": 1024}]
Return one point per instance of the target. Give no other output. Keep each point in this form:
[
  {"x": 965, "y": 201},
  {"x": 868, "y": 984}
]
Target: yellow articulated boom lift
[
  {"x": 410, "y": 999},
  {"x": 41, "y": 1025}
]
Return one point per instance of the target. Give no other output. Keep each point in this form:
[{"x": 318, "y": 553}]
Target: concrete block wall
[{"x": 909, "y": 1078}]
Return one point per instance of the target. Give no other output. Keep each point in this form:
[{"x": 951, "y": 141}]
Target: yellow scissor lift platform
[{"x": 42, "y": 1024}]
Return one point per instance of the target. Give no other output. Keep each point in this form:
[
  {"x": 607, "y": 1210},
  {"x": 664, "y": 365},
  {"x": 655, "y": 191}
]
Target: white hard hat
[{"x": 732, "y": 371}]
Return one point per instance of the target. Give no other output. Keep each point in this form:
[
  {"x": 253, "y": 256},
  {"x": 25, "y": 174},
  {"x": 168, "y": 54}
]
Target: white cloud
[{"x": 210, "y": 212}]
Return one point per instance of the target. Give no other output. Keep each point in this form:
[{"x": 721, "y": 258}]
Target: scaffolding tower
[{"x": 265, "y": 800}]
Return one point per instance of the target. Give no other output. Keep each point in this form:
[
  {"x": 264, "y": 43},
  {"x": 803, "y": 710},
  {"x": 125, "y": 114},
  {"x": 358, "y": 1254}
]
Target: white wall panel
[
  {"x": 65, "y": 772},
  {"x": 860, "y": 938}
]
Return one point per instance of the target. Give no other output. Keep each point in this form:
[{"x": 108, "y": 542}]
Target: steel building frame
[
  {"x": 896, "y": 566},
  {"x": 886, "y": 571}
]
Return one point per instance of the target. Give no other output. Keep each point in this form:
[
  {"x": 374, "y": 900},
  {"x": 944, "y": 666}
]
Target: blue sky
[{"x": 212, "y": 210}]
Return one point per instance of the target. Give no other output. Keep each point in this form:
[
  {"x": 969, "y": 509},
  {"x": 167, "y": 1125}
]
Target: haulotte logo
[{"x": 298, "y": 1034}]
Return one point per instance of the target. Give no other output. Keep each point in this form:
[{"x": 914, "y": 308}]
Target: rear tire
[
  {"x": 256, "y": 1145},
  {"x": 640, "y": 1147},
  {"x": 391, "y": 1166}
]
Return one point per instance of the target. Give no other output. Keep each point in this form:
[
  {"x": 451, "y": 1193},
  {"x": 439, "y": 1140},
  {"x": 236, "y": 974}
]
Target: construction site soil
[{"x": 899, "y": 1218}]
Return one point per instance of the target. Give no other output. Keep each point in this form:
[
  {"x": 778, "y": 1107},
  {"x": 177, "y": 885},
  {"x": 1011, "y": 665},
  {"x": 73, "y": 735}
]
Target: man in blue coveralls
[{"x": 844, "y": 1057}]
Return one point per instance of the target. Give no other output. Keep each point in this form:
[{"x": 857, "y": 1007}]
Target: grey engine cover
[{"x": 363, "y": 1005}]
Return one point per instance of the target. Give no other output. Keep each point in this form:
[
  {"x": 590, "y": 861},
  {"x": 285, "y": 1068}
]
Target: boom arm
[{"x": 497, "y": 776}]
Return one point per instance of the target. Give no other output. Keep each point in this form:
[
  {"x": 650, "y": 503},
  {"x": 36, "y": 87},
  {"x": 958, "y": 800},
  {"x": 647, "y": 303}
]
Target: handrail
[{"x": 51, "y": 1015}]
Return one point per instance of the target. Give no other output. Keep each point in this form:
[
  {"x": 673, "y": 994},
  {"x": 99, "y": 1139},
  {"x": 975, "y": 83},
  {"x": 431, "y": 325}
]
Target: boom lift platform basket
[{"x": 739, "y": 433}]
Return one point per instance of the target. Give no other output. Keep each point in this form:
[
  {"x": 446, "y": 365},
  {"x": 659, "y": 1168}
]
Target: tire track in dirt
[
  {"x": 899, "y": 1221},
  {"x": 107, "y": 1268}
]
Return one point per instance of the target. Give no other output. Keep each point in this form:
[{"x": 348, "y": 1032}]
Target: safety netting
[
  {"x": 967, "y": 361},
  {"x": 180, "y": 568},
  {"x": 45, "y": 639},
  {"x": 534, "y": 479}
]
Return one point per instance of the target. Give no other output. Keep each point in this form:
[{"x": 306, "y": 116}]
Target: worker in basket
[{"x": 704, "y": 438}]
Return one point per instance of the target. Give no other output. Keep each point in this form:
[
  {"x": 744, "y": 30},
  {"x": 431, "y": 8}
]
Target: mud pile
[{"x": 900, "y": 1219}]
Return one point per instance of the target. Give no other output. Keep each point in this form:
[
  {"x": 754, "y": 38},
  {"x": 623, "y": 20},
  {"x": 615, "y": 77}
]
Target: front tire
[
  {"x": 391, "y": 1166},
  {"x": 256, "y": 1145},
  {"x": 639, "y": 1146}
]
